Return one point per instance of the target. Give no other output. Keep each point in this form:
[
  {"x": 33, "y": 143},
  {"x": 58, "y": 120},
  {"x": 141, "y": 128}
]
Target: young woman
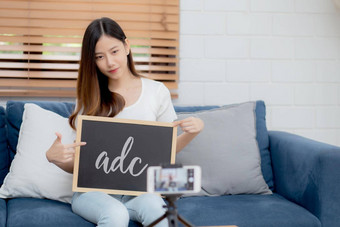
[{"x": 108, "y": 85}]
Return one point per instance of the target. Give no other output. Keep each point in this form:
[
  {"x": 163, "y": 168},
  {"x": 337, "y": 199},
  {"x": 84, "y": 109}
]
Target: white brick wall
[{"x": 285, "y": 52}]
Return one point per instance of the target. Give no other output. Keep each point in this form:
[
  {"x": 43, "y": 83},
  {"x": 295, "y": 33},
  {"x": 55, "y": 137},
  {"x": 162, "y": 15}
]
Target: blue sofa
[{"x": 303, "y": 174}]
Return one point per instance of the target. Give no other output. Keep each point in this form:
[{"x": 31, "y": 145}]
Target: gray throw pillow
[{"x": 227, "y": 151}]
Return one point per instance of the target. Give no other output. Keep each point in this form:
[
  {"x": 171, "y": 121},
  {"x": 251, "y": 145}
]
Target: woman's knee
[
  {"x": 154, "y": 201},
  {"x": 114, "y": 216},
  {"x": 100, "y": 208},
  {"x": 155, "y": 210},
  {"x": 146, "y": 208}
]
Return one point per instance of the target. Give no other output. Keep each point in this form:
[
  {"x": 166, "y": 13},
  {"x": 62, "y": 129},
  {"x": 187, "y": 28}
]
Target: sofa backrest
[
  {"x": 4, "y": 158},
  {"x": 15, "y": 111}
]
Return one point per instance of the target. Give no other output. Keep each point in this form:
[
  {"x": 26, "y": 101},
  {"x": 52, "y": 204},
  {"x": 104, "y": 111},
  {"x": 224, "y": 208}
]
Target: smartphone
[{"x": 174, "y": 180}]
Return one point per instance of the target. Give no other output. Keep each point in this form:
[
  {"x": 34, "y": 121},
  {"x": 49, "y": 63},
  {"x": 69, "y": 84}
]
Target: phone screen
[{"x": 174, "y": 179}]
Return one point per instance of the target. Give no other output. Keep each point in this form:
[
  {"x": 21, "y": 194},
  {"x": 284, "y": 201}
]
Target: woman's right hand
[{"x": 62, "y": 155}]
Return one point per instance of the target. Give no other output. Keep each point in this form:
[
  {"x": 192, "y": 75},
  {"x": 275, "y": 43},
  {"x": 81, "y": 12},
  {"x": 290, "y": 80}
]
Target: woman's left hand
[{"x": 192, "y": 125}]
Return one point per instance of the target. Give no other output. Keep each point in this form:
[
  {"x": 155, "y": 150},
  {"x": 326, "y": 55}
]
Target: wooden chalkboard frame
[{"x": 109, "y": 120}]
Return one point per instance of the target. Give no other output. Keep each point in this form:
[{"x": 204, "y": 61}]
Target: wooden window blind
[{"x": 40, "y": 42}]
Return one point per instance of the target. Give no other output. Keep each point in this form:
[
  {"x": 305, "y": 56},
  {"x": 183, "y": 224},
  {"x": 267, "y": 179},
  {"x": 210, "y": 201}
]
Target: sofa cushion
[
  {"x": 33, "y": 212},
  {"x": 31, "y": 175},
  {"x": 244, "y": 211},
  {"x": 227, "y": 151},
  {"x": 4, "y": 156},
  {"x": 42, "y": 212},
  {"x": 261, "y": 136},
  {"x": 15, "y": 110}
]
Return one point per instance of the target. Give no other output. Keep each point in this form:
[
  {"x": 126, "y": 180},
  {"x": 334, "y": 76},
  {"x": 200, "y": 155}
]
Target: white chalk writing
[{"x": 103, "y": 161}]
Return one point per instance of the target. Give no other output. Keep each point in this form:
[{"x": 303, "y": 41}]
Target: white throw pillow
[{"x": 31, "y": 175}]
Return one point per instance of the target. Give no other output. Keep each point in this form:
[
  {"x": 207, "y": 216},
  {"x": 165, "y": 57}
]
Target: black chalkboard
[{"x": 118, "y": 152}]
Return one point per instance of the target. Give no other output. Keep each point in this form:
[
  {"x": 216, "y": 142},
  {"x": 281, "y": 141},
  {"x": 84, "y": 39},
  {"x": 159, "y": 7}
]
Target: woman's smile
[{"x": 113, "y": 70}]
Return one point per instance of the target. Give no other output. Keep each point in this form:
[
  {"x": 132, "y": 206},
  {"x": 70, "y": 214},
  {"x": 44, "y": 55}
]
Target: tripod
[{"x": 171, "y": 213}]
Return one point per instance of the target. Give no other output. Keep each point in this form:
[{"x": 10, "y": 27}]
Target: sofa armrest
[{"x": 307, "y": 172}]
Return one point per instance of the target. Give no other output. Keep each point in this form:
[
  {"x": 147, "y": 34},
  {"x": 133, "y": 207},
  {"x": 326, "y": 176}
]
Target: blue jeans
[{"x": 116, "y": 210}]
